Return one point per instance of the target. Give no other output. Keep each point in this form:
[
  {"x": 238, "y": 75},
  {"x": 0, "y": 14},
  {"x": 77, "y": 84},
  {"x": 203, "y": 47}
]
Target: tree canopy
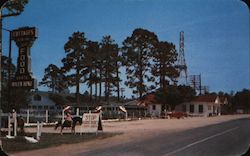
[
  {"x": 73, "y": 63},
  {"x": 165, "y": 57},
  {"x": 137, "y": 50},
  {"x": 54, "y": 79},
  {"x": 149, "y": 64},
  {"x": 15, "y": 6},
  {"x": 242, "y": 100},
  {"x": 174, "y": 95}
]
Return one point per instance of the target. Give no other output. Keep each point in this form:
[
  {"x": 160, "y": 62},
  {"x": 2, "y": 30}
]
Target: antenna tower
[{"x": 181, "y": 63}]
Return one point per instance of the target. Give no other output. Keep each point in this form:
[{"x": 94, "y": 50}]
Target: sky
[{"x": 216, "y": 33}]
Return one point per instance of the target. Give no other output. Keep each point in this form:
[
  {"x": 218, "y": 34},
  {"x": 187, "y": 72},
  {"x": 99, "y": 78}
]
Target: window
[
  {"x": 37, "y": 97},
  {"x": 52, "y": 107},
  {"x": 200, "y": 108},
  {"x": 191, "y": 108},
  {"x": 40, "y": 107},
  {"x": 154, "y": 107}
]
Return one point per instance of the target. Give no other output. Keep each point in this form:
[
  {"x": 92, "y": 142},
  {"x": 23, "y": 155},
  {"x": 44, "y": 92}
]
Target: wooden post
[
  {"x": 41, "y": 128},
  {"x": 77, "y": 111},
  {"x": 15, "y": 124},
  {"x": 38, "y": 131},
  {"x": 28, "y": 116},
  {"x": 46, "y": 116},
  {"x": 9, "y": 126}
]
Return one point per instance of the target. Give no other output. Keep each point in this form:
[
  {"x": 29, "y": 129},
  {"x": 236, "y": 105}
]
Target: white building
[
  {"x": 153, "y": 107},
  {"x": 205, "y": 105},
  {"x": 40, "y": 102}
]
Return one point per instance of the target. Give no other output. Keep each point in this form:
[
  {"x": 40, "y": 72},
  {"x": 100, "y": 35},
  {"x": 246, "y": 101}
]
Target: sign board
[
  {"x": 24, "y": 38},
  {"x": 25, "y": 32},
  {"x": 91, "y": 123}
]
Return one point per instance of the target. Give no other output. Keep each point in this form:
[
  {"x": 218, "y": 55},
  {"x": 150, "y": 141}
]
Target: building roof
[
  {"x": 148, "y": 99},
  {"x": 207, "y": 98}
]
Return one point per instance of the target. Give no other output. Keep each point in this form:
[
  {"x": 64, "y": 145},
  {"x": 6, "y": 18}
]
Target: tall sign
[{"x": 24, "y": 38}]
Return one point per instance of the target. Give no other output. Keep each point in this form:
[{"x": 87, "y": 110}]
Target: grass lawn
[{"x": 49, "y": 140}]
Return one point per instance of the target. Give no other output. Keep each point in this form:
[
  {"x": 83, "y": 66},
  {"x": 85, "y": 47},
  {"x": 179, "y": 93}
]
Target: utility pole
[{"x": 2, "y": 3}]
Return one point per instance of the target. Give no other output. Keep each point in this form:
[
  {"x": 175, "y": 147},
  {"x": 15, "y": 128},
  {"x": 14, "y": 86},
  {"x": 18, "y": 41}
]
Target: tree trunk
[
  {"x": 96, "y": 85},
  {"x": 90, "y": 87},
  {"x": 105, "y": 90},
  {"x": 106, "y": 85},
  {"x": 95, "y": 91},
  {"x": 117, "y": 82},
  {"x": 90, "y": 92},
  {"x": 108, "y": 93},
  {"x": 100, "y": 90},
  {"x": 140, "y": 76},
  {"x": 78, "y": 81},
  {"x": 77, "y": 91}
]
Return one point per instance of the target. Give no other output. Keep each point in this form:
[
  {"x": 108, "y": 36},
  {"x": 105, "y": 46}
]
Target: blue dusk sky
[{"x": 216, "y": 33}]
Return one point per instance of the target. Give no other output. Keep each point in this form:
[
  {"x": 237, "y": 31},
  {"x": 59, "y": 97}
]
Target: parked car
[{"x": 177, "y": 115}]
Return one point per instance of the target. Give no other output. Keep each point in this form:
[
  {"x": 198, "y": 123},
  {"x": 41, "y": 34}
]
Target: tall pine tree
[
  {"x": 73, "y": 62},
  {"x": 137, "y": 59}
]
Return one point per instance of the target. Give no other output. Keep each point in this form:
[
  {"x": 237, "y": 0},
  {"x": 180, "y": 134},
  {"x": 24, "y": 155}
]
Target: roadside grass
[{"x": 49, "y": 140}]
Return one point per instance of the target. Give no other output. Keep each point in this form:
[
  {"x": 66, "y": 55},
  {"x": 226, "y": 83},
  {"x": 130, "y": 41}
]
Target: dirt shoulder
[{"x": 132, "y": 131}]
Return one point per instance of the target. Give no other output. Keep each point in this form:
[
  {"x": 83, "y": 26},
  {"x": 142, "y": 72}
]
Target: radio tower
[{"x": 181, "y": 63}]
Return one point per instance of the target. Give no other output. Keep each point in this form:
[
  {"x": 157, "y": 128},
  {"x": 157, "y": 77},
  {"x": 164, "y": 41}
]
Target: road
[{"x": 223, "y": 139}]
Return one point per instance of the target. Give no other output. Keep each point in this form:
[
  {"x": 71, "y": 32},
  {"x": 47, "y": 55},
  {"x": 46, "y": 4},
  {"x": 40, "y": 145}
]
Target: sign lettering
[
  {"x": 91, "y": 123},
  {"x": 24, "y": 38}
]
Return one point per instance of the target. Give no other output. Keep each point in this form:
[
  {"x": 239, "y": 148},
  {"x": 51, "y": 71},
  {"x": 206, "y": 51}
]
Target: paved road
[{"x": 228, "y": 138}]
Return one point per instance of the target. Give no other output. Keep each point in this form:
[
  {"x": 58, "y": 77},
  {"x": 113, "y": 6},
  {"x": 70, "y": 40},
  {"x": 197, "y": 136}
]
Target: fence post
[
  {"x": 9, "y": 126},
  {"x": 38, "y": 131},
  {"x": 77, "y": 111},
  {"x": 28, "y": 116},
  {"x": 46, "y": 116},
  {"x": 15, "y": 124}
]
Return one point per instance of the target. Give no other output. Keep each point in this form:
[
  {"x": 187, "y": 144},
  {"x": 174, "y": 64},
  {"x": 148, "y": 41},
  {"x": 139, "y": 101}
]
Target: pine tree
[
  {"x": 109, "y": 50},
  {"x": 90, "y": 72},
  {"x": 136, "y": 53},
  {"x": 73, "y": 62},
  {"x": 164, "y": 57},
  {"x": 54, "y": 79}
]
